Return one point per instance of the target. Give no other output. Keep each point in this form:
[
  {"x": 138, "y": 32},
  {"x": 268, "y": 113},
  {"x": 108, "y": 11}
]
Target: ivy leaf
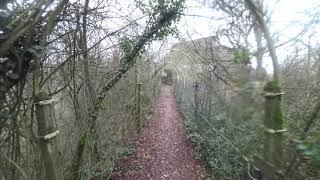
[
  {"x": 301, "y": 146},
  {"x": 307, "y": 152}
]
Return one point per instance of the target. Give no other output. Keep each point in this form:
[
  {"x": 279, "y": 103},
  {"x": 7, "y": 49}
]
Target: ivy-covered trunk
[
  {"x": 43, "y": 112},
  {"x": 160, "y": 26},
  {"x": 138, "y": 96},
  {"x": 273, "y": 122}
]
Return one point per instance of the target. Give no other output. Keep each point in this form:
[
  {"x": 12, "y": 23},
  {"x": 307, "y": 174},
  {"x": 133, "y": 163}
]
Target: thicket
[
  {"x": 236, "y": 132},
  {"x": 225, "y": 131},
  {"x": 77, "y": 80}
]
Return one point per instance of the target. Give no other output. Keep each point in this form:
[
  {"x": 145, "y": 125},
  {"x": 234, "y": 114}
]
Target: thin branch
[
  {"x": 4, "y": 157},
  {"x": 80, "y": 53}
]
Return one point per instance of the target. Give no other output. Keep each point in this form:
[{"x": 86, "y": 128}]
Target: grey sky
[{"x": 288, "y": 18}]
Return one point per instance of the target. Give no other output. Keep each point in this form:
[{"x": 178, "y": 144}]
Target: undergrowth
[{"x": 221, "y": 159}]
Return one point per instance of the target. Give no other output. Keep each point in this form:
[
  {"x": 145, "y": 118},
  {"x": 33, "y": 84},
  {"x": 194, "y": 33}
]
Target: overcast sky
[
  {"x": 288, "y": 18},
  {"x": 286, "y": 15}
]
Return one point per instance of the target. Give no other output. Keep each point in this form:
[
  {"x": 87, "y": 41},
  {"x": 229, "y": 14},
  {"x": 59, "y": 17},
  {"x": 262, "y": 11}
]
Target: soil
[{"x": 163, "y": 150}]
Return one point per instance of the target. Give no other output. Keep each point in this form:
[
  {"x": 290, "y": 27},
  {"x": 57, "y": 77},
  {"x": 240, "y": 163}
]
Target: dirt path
[{"x": 163, "y": 151}]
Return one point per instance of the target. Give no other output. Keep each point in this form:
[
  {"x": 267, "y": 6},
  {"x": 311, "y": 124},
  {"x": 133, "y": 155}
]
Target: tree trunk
[
  {"x": 43, "y": 118},
  {"x": 138, "y": 89},
  {"x": 196, "y": 100},
  {"x": 273, "y": 122},
  {"x": 128, "y": 60},
  {"x": 90, "y": 135},
  {"x": 259, "y": 53},
  {"x": 210, "y": 90},
  {"x": 43, "y": 111},
  {"x": 138, "y": 107}
]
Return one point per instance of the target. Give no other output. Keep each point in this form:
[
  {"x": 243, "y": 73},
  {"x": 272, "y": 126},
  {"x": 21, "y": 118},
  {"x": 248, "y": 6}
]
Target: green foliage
[
  {"x": 240, "y": 125},
  {"x": 125, "y": 151},
  {"x": 127, "y": 45},
  {"x": 310, "y": 150},
  {"x": 168, "y": 11},
  {"x": 163, "y": 15},
  {"x": 223, "y": 161},
  {"x": 241, "y": 56},
  {"x": 88, "y": 171},
  {"x": 272, "y": 86}
]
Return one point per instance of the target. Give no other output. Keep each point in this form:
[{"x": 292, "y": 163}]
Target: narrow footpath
[{"x": 163, "y": 151}]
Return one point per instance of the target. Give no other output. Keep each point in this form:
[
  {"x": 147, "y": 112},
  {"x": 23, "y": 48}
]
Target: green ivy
[
  {"x": 162, "y": 9},
  {"x": 309, "y": 150},
  {"x": 241, "y": 56}
]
